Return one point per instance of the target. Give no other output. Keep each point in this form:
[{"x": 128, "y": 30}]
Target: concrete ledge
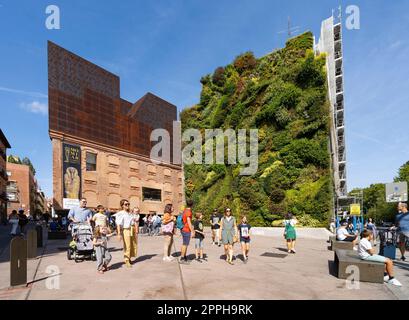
[
  {"x": 343, "y": 245},
  {"x": 368, "y": 271},
  {"x": 306, "y": 233}
]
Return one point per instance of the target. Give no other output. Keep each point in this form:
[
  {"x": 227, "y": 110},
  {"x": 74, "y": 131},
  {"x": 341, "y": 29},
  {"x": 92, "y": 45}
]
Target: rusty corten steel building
[{"x": 112, "y": 135}]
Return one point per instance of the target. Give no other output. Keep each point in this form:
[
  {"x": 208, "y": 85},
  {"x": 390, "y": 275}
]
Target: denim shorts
[
  {"x": 186, "y": 238},
  {"x": 198, "y": 243}
]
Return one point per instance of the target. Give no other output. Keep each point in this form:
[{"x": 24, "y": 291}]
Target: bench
[
  {"x": 342, "y": 245},
  {"x": 368, "y": 271},
  {"x": 57, "y": 235}
]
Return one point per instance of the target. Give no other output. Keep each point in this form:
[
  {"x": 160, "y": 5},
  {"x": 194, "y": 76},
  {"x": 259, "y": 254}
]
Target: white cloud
[
  {"x": 35, "y": 107},
  {"x": 28, "y": 93}
]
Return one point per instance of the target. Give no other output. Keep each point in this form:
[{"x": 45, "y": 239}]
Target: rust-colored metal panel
[{"x": 84, "y": 101}]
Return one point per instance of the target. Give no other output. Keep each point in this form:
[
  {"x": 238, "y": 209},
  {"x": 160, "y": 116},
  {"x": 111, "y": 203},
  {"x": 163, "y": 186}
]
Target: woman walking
[
  {"x": 168, "y": 230},
  {"x": 126, "y": 231},
  {"x": 228, "y": 234},
  {"x": 289, "y": 232}
]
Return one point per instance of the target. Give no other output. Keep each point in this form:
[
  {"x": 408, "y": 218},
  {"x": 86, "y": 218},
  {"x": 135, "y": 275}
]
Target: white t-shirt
[
  {"x": 291, "y": 222},
  {"x": 125, "y": 219},
  {"x": 363, "y": 247},
  {"x": 342, "y": 234},
  {"x": 100, "y": 219}
]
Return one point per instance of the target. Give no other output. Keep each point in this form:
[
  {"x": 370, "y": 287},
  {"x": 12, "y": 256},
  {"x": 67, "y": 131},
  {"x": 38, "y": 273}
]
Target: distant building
[
  {"x": 4, "y": 145},
  {"x": 21, "y": 188},
  {"x": 101, "y": 142},
  {"x": 40, "y": 201}
]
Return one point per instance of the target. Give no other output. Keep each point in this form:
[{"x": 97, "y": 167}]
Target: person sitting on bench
[
  {"x": 343, "y": 234},
  {"x": 367, "y": 253}
]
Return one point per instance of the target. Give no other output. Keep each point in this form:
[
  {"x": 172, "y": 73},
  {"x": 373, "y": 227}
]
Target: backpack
[{"x": 179, "y": 221}]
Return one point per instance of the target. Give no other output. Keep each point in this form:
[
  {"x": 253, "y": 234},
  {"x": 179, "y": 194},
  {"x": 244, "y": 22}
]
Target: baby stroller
[{"x": 81, "y": 245}]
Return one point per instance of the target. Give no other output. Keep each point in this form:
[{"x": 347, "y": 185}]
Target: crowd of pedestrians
[{"x": 225, "y": 230}]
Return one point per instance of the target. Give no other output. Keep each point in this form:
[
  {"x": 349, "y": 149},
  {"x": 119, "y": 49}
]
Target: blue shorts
[{"x": 186, "y": 237}]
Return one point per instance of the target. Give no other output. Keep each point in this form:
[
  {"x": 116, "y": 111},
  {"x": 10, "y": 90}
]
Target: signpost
[
  {"x": 70, "y": 203},
  {"x": 396, "y": 192}
]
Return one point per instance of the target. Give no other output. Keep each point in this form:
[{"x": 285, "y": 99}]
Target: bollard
[
  {"x": 39, "y": 230},
  {"x": 32, "y": 244},
  {"x": 18, "y": 262}
]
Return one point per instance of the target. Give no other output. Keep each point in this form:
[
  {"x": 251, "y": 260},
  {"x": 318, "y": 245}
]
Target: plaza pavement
[{"x": 270, "y": 274}]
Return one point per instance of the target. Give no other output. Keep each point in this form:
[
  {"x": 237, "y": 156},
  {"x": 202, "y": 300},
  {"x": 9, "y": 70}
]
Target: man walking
[
  {"x": 80, "y": 214},
  {"x": 187, "y": 230},
  {"x": 402, "y": 222}
]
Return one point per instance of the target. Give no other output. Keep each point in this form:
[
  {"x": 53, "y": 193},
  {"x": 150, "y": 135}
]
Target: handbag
[{"x": 168, "y": 228}]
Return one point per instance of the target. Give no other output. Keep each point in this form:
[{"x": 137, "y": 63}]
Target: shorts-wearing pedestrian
[
  {"x": 403, "y": 236},
  {"x": 186, "y": 238},
  {"x": 376, "y": 258},
  {"x": 245, "y": 240},
  {"x": 198, "y": 243}
]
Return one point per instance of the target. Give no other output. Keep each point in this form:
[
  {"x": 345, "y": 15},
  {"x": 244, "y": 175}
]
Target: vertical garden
[{"x": 284, "y": 96}]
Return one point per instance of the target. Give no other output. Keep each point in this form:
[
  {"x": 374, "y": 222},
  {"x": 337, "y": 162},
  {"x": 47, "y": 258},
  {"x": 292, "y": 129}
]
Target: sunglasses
[{"x": 126, "y": 204}]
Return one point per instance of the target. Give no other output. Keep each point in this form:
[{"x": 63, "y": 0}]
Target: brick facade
[
  {"x": 24, "y": 179},
  {"x": 4, "y": 145},
  {"x": 85, "y": 109}
]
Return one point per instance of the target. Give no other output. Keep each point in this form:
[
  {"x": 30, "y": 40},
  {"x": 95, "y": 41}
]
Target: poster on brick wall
[{"x": 71, "y": 171}]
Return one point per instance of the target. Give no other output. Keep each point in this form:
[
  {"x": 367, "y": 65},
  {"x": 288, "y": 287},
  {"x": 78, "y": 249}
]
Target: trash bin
[
  {"x": 388, "y": 240},
  {"x": 39, "y": 230}
]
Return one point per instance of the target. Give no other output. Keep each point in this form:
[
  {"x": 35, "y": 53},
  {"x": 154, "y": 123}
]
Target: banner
[
  {"x": 71, "y": 171},
  {"x": 355, "y": 210}
]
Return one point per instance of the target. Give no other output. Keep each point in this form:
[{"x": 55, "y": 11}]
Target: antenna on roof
[{"x": 290, "y": 30}]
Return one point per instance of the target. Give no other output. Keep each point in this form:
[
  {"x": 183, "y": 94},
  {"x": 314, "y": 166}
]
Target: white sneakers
[
  {"x": 167, "y": 259},
  {"x": 395, "y": 282}
]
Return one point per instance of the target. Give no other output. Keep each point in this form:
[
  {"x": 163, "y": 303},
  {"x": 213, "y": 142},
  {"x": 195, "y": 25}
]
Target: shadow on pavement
[
  {"x": 282, "y": 249},
  {"x": 44, "y": 278},
  {"x": 401, "y": 265},
  {"x": 116, "y": 266},
  {"x": 145, "y": 257}
]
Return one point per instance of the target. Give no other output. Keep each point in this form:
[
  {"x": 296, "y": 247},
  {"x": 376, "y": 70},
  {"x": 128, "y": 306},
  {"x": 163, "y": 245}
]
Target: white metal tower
[{"x": 330, "y": 42}]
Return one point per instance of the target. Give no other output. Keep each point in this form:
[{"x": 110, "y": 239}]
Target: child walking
[
  {"x": 100, "y": 242},
  {"x": 244, "y": 231},
  {"x": 199, "y": 236}
]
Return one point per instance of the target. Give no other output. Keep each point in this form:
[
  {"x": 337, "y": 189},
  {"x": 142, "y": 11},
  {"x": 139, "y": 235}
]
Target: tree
[
  {"x": 403, "y": 173},
  {"x": 13, "y": 159},
  {"x": 27, "y": 162}
]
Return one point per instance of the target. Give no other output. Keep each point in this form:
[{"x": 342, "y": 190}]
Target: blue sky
[{"x": 166, "y": 46}]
